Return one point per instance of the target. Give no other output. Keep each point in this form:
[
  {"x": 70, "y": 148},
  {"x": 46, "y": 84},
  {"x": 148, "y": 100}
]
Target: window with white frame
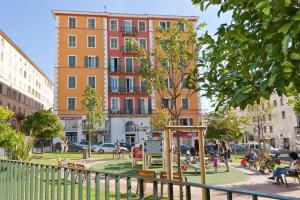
[
  {"x": 129, "y": 84},
  {"x": 115, "y": 104},
  {"x": 72, "y": 82},
  {"x": 181, "y": 26},
  {"x": 143, "y": 42},
  {"x": 91, "y": 81},
  {"x": 114, "y": 43},
  {"x": 72, "y": 22},
  {"x": 186, "y": 121},
  {"x": 91, "y": 41},
  {"x": 91, "y": 23},
  {"x": 114, "y": 84},
  {"x": 115, "y": 65},
  {"x": 72, "y": 41},
  {"x": 129, "y": 64},
  {"x": 113, "y": 24},
  {"x": 184, "y": 84},
  {"x": 164, "y": 24},
  {"x": 91, "y": 61},
  {"x": 166, "y": 103},
  {"x": 71, "y": 103},
  {"x": 142, "y": 26},
  {"x": 184, "y": 102},
  {"x": 168, "y": 82},
  {"x": 72, "y": 61}
]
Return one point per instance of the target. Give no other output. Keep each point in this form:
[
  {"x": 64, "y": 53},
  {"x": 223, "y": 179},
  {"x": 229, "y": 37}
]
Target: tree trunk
[
  {"x": 42, "y": 147},
  {"x": 90, "y": 144}
]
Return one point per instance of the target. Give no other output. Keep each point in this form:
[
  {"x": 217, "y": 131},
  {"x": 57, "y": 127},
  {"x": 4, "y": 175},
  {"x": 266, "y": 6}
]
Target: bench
[
  {"x": 78, "y": 167},
  {"x": 164, "y": 176},
  {"x": 145, "y": 173},
  {"x": 296, "y": 177}
]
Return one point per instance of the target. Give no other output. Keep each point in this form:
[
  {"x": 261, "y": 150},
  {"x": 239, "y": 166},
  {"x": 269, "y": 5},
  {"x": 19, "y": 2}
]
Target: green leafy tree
[
  {"x": 159, "y": 119},
  {"x": 166, "y": 69},
  {"x": 255, "y": 54},
  {"x": 43, "y": 124},
  {"x": 224, "y": 124},
  {"x": 95, "y": 115}
]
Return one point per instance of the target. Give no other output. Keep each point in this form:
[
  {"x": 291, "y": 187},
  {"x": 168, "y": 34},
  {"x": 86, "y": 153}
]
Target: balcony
[
  {"x": 120, "y": 69},
  {"x": 142, "y": 90},
  {"x": 131, "y": 30},
  {"x": 128, "y": 50},
  {"x": 124, "y": 111}
]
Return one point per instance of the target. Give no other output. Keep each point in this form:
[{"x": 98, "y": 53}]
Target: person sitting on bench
[{"x": 295, "y": 165}]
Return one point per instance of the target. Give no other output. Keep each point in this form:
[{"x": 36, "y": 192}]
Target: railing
[
  {"x": 128, "y": 50},
  {"x": 131, "y": 111},
  {"x": 125, "y": 70},
  {"x": 128, "y": 30},
  {"x": 23, "y": 181},
  {"x": 128, "y": 90}
]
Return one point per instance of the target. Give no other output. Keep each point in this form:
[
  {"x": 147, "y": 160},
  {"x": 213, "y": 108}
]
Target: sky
[{"x": 30, "y": 24}]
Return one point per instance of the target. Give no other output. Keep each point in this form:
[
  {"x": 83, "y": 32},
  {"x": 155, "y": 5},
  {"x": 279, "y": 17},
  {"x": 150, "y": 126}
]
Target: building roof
[
  {"x": 90, "y": 13},
  {"x": 23, "y": 54}
]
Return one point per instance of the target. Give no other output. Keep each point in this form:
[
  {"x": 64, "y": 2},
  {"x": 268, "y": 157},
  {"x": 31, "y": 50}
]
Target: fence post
[
  {"x": 207, "y": 193},
  {"x": 88, "y": 186},
  {"x": 42, "y": 182},
  {"x": 31, "y": 181},
  {"x": 229, "y": 195},
  {"x": 170, "y": 191},
  {"x": 36, "y": 182},
  {"x": 188, "y": 192},
  {"x": 27, "y": 183},
  {"x": 58, "y": 183},
  {"x": 47, "y": 183},
  {"x": 155, "y": 190},
  {"x": 66, "y": 175},
  {"x": 254, "y": 197},
  {"x": 80, "y": 185},
  {"x": 128, "y": 180},
  {"x": 97, "y": 183},
  {"x": 73, "y": 179},
  {"x": 141, "y": 188},
  {"x": 117, "y": 187}
]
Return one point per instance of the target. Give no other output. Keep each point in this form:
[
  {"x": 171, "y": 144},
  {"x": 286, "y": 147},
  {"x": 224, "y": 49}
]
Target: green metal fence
[{"x": 27, "y": 181}]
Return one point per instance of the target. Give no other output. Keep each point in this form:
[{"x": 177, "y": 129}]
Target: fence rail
[{"x": 28, "y": 181}]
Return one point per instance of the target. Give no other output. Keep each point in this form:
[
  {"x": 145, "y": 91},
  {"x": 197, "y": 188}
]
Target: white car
[{"x": 106, "y": 148}]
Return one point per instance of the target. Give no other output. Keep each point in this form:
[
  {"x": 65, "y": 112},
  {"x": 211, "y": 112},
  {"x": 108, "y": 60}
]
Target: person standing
[
  {"x": 62, "y": 145},
  {"x": 225, "y": 153},
  {"x": 66, "y": 145},
  {"x": 215, "y": 148}
]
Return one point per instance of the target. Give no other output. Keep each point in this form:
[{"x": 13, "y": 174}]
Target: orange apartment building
[{"x": 91, "y": 50}]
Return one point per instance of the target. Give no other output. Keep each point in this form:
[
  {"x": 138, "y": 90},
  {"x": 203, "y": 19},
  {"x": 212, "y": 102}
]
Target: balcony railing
[
  {"x": 23, "y": 180},
  {"x": 128, "y": 111},
  {"x": 128, "y": 30},
  {"x": 126, "y": 70},
  {"x": 128, "y": 50},
  {"x": 127, "y": 90}
]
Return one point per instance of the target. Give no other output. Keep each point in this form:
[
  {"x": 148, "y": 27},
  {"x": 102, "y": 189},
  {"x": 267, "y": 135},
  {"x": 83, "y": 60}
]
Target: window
[
  {"x": 143, "y": 106},
  {"x": 72, "y": 22},
  {"x": 72, "y": 61},
  {"x": 71, "y": 103},
  {"x": 142, "y": 26},
  {"x": 275, "y": 103},
  {"x": 115, "y": 105},
  {"x": 72, "y": 82},
  {"x": 164, "y": 24},
  {"x": 181, "y": 26},
  {"x": 91, "y": 61},
  {"x": 2, "y": 42},
  {"x": 2, "y": 56},
  {"x": 184, "y": 103},
  {"x": 166, "y": 103},
  {"x": 184, "y": 83},
  {"x": 143, "y": 42},
  {"x": 114, "y": 43},
  {"x": 281, "y": 101},
  {"x": 129, "y": 64},
  {"x": 91, "y": 23},
  {"x": 186, "y": 121},
  {"x": 92, "y": 81},
  {"x": 113, "y": 24},
  {"x": 265, "y": 129},
  {"x": 114, "y": 84},
  {"x": 283, "y": 115},
  {"x": 168, "y": 82},
  {"x": 129, "y": 84},
  {"x": 271, "y": 129},
  {"x": 72, "y": 41},
  {"x": 115, "y": 65},
  {"x": 91, "y": 41}
]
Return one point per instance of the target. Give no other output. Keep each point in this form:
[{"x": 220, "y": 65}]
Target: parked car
[
  {"x": 106, "y": 148},
  {"x": 125, "y": 145},
  {"x": 254, "y": 146},
  {"x": 184, "y": 148},
  {"x": 238, "y": 148},
  {"x": 72, "y": 147}
]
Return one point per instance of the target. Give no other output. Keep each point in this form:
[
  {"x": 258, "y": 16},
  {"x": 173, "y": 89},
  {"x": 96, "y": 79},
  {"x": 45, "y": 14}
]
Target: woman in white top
[{"x": 295, "y": 165}]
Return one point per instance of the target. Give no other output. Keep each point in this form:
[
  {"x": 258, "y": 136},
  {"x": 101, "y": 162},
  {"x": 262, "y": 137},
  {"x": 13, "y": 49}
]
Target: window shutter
[
  {"x": 122, "y": 84},
  {"x": 119, "y": 64},
  {"x": 109, "y": 63},
  {"x": 86, "y": 61},
  {"x": 134, "y": 85},
  {"x": 109, "y": 84},
  {"x": 97, "y": 61},
  {"x": 149, "y": 106},
  {"x": 125, "y": 106},
  {"x": 191, "y": 121},
  {"x": 140, "y": 107}
]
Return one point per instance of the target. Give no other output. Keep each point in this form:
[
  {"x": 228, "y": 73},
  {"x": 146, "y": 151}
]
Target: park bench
[
  {"x": 164, "y": 176},
  {"x": 295, "y": 176},
  {"x": 145, "y": 173},
  {"x": 78, "y": 167}
]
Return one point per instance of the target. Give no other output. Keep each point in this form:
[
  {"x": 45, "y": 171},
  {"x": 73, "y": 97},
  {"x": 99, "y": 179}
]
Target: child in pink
[{"x": 216, "y": 163}]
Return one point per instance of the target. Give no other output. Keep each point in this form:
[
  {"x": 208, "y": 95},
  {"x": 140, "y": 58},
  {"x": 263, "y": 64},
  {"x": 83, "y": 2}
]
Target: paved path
[{"x": 257, "y": 182}]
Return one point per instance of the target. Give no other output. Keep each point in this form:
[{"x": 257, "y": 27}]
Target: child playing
[{"x": 215, "y": 160}]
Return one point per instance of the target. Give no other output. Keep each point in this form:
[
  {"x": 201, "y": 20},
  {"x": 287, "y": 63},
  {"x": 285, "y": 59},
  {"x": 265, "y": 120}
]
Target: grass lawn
[{"x": 219, "y": 178}]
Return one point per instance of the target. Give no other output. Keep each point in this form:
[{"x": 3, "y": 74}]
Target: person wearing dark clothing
[
  {"x": 225, "y": 153},
  {"x": 196, "y": 146}
]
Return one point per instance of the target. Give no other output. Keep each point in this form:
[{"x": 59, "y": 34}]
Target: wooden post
[
  {"x": 202, "y": 162},
  {"x": 167, "y": 153},
  {"x": 171, "y": 152}
]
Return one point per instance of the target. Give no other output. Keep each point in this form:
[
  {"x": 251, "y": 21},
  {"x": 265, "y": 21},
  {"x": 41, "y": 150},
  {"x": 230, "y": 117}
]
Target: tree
[
  {"x": 257, "y": 53},
  {"x": 17, "y": 146},
  {"x": 166, "y": 69},
  {"x": 43, "y": 124},
  {"x": 261, "y": 116},
  {"x": 95, "y": 116},
  {"x": 224, "y": 124},
  {"x": 159, "y": 120}
]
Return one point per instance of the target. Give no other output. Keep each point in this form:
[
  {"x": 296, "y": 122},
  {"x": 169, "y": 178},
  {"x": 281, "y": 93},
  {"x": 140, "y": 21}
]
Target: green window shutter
[
  {"x": 86, "y": 61},
  {"x": 149, "y": 106},
  {"x": 109, "y": 63},
  {"x": 140, "y": 107},
  {"x": 134, "y": 85},
  {"x": 97, "y": 61},
  {"x": 119, "y": 64},
  {"x": 122, "y": 84},
  {"x": 125, "y": 106}
]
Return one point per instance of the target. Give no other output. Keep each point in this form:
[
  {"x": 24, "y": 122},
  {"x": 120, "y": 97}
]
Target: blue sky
[{"x": 30, "y": 24}]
